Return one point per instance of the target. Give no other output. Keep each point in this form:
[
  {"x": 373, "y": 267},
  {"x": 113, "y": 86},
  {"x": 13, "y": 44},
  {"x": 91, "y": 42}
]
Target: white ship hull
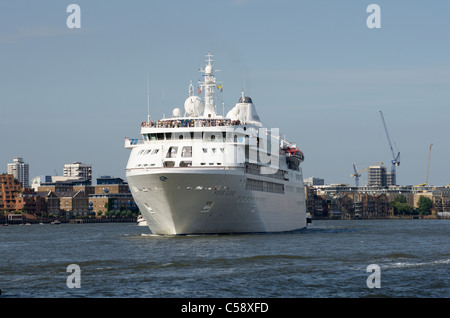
[
  {"x": 201, "y": 201},
  {"x": 203, "y": 173}
]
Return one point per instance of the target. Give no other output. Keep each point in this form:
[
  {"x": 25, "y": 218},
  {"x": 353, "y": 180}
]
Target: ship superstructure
[{"x": 204, "y": 173}]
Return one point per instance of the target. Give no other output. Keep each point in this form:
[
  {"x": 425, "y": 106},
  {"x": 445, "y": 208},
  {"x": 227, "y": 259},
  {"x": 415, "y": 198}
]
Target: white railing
[{"x": 173, "y": 123}]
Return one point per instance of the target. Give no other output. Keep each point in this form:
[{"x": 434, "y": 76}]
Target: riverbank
[
  {"x": 439, "y": 216},
  {"x": 26, "y": 220},
  {"x": 73, "y": 221},
  {"x": 411, "y": 217}
]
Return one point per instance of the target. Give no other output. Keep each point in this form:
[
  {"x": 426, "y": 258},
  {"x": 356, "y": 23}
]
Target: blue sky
[{"x": 313, "y": 69}]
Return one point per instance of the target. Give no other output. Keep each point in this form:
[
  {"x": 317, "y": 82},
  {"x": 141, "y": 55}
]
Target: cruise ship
[{"x": 199, "y": 172}]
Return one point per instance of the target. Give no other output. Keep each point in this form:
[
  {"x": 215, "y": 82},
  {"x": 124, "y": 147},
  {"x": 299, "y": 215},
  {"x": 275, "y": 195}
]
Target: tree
[
  {"x": 399, "y": 199},
  {"x": 424, "y": 205},
  {"x": 401, "y": 207}
]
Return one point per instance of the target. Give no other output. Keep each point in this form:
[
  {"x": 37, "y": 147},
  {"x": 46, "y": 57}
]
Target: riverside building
[
  {"x": 78, "y": 170},
  {"x": 9, "y": 188},
  {"x": 20, "y": 170}
]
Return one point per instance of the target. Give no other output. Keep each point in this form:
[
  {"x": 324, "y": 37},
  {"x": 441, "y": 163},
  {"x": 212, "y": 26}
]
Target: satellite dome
[
  {"x": 176, "y": 112},
  {"x": 194, "y": 106}
]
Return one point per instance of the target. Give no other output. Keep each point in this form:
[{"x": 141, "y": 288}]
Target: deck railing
[{"x": 173, "y": 123}]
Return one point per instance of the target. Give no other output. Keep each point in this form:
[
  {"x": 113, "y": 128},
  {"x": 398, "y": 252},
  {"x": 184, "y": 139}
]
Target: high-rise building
[
  {"x": 377, "y": 176},
  {"x": 391, "y": 178},
  {"x": 78, "y": 170},
  {"x": 20, "y": 170},
  {"x": 313, "y": 181}
]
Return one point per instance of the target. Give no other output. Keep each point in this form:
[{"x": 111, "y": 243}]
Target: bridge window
[
  {"x": 172, "y": 152},
  {"x": 186, "y": 152}
]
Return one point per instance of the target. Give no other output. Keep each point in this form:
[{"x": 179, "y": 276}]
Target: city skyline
[{"x": 313, "y": 69}]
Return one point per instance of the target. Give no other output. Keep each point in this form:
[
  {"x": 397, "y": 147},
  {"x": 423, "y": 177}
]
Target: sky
[{"x": 314, "y": 69}]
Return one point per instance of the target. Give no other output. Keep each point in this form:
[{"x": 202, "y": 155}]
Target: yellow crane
[
  {"x": 357, "y": 173},
  {"x": 428, "y": 169}
]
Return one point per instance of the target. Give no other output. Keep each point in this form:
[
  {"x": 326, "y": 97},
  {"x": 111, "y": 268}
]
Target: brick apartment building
[
  {"x": 15, "y": 198},
  {"x": 348, "y": 205},
  {"x": 73, "y": 203},
  {"x": 30, "y": 202},
  {"x": 111, "y": 194},
  {"x": 9, "y": 189},
  {"x": 78, "y": 197}
]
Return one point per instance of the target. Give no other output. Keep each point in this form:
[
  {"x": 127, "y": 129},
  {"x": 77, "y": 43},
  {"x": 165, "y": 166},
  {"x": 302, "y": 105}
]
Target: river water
[{"x": 329, "y": 259}]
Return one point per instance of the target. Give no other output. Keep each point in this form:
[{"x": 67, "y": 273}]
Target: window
[
  {"x": 265, "y": 186},
  {"x": 169, "y": 164},
  {"x": 186, "y": 152},
  {"x": 185, "y": 163},
  {"x": 172, "y": 152}
]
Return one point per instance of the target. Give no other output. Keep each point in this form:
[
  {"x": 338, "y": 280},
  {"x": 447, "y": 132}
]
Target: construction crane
[
  {"x": 395, "y": 159},
  {"x": 428, "y": 169},
  {"x": 357, "y": 173}
]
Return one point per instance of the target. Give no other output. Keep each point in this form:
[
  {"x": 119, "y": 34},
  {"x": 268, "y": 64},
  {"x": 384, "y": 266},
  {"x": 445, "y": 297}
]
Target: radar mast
[{"x": 209, "y": 84}]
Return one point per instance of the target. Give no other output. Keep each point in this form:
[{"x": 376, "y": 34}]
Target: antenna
[
  {"x": 428, "y": 168},
  {"x": 245, "y": 80},
  {"x": 191, "y": 89},
  {"x": 162, "y": 92},
  {"x": 148, "y": 101}
]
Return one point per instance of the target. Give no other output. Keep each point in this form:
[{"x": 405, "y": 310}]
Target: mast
[
  {"x": 191, "y": 89},
  {"x": 148, "y": 102},
  {"x": 209, "y": 84}
]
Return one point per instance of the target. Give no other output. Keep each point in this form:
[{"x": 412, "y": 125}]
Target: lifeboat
[
  {"x": 295, "y": 153},
  {"x": 294, "y": 157}
]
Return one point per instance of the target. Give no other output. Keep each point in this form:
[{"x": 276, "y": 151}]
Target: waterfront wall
[{"x": 78, "y": 221}]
